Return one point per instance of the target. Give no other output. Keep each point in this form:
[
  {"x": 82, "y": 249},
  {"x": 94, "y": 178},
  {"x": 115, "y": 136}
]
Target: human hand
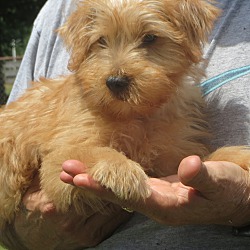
[
  {"x": 201, "y": 193},
  {"x": 39, "y": 226}
]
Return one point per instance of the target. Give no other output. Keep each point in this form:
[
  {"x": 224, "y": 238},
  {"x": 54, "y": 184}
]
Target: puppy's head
[{"x": 131, "y": 55}]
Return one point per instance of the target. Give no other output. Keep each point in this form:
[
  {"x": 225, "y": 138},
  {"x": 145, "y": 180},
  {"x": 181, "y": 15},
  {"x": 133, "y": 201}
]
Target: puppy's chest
[{"x": 136, "y": 141}]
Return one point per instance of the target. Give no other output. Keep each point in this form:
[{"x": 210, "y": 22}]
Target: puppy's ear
[
  {"x": 75, "y": 36},
  {"x": 196, "y": 20}
]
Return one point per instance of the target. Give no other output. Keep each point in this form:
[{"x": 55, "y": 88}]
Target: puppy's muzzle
[{"x": 118, "y": 85}]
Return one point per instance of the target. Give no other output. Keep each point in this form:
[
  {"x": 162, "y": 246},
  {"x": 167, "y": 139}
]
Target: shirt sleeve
[
  {"x": 26, "y": 71},
  {"x": 45, "y": 54}
]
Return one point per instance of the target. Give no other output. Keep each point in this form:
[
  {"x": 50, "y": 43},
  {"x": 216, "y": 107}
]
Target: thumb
[{"x": 194, "y": 173}]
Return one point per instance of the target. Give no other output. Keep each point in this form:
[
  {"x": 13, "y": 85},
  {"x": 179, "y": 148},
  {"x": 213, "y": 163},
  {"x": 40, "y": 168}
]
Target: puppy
[{"x": 128, "y": 110}]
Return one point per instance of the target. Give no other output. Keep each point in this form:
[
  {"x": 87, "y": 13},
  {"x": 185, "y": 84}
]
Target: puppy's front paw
[{"x": 126, "y": 179}]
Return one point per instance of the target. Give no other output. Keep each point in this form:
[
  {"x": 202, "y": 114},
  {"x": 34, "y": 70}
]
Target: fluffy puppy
[{"x": 128, "y": 110}]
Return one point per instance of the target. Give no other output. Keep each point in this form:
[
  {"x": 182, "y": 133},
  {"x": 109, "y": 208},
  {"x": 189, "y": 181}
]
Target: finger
[
  {"x": 73, "y": 167},
  {"x": 65, "y": 177},
  {"x": 194, "y": 173},
  {"x": 209, "y": 177},
  {"x": 188, "y": 170}
]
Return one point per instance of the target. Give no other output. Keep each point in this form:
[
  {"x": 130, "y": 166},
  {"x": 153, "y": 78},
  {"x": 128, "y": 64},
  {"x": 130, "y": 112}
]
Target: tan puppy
[{"x": 129, "y": 109}]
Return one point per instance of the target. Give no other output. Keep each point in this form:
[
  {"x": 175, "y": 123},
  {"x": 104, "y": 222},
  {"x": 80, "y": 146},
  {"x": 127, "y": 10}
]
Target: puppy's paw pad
[{"x": 127, "y": 179}]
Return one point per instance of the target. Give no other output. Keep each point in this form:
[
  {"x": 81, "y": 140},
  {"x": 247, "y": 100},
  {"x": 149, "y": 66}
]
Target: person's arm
[
  {"x": 45, "y": 55},
  {"x": 26, "y": 70},
  {"x": 201, "y": 193},
  {"x": 39, "y": 226}
]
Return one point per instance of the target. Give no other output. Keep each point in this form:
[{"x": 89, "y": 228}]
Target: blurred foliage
[
  {"x": 16, "y": 19},
  {"x": 3, "y": 95}
]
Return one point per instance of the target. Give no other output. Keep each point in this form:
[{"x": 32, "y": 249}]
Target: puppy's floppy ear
[
  {"x": 75, "y": 36},
  {"x": 196, "y": 20}
]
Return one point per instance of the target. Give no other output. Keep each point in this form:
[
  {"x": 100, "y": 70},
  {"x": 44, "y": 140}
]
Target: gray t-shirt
[{"x": 227, "y": 92}]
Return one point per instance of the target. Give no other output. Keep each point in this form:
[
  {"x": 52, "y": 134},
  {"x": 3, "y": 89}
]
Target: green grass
[{"x": 2, "y": 248}]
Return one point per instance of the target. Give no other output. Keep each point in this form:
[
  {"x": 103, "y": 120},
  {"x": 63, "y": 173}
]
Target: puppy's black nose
[{"x": 117, "y": 84}]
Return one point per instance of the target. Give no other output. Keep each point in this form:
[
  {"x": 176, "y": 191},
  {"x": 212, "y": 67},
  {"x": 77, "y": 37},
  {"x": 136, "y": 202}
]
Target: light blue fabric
[{"x": 216, "y": 82}]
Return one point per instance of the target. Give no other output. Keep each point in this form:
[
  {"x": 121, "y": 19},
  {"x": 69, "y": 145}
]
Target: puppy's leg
[
  {"x": 112, "y": 169},
  {"x": 123, "y": 176},
  {"x": 17, "y": 169},
  {"x": 63, "y": 195},
  {"x": 239, "y": 155}
]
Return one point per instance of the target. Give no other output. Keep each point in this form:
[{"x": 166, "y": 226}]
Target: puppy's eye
[
  {"x": 102, "y": 41},
  {"x": 149, "y": 38}
]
